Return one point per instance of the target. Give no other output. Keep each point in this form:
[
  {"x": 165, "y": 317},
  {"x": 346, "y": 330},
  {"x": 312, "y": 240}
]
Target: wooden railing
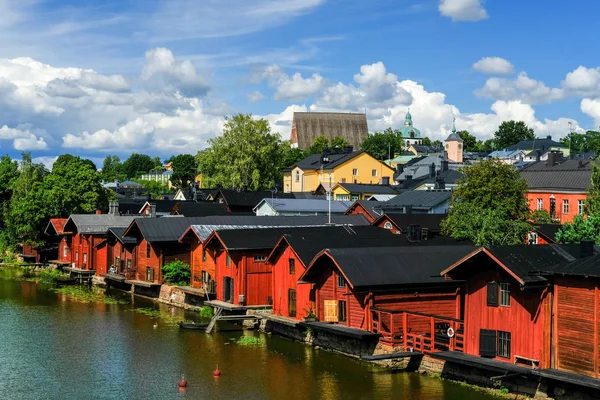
[{"x": 421, "y": 332}]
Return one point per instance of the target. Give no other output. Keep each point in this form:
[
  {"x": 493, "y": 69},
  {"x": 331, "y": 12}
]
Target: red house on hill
[
  {"x": 509, "y": 303},
  {"x": 392, "y": 291},
  {"x": 297, "y": 248}
]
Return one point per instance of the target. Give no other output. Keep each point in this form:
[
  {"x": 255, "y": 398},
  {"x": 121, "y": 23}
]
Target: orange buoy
[
  {"x": 217, "y": 372},
  {"x": 182, "y": 382}
]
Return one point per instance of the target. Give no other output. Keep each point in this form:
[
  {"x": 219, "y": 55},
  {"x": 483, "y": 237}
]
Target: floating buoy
[
  {"x": 217, "y": 372},
  {"x": 182, "y": 382}
]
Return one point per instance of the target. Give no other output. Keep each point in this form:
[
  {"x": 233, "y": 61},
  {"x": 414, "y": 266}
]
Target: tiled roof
[
  {"x": 541, "y": 144},
  {"x": 165, "y": 229},
  {"x": 371, "y": 206},
  {"x": 97, "y": 223},
  {"x": 570, "y": 175},
  {"x": 55, "y": 226},
  {"x": 118, "y": 234}
]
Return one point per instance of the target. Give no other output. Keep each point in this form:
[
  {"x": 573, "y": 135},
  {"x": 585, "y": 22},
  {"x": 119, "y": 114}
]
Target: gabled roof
[
  {"x": 548, "y": 231},
  {"x": 55, "y": 226},
  {"x": 305, "y": 205},
  {"x": 449, "y": 176},
  {"x": 368, "y": 188},
  {"x": 384, "y": 266},
  {"x": 522, "y": 261},
  {"x": 313, "y": 162},
  {"x": 505, "y": 154},
  {"x": 131, "y": 206},
  {"x": 373, "y": 208},
  {"x": 163, "y": 229},
  {"x": 570, "y": 175},
  {"x": 97, "y": 223},
  {"x": 307, "y": 126},
  {"x": 586, "y": 266},
  {"x": 424, "y": 149},
  {"x": 541, "y": 144},
  {"x": 422, "y": 199},
  {"x": 242, "y": 198},
  {"x": 162, "y": 206},
  {"x": 118, "y": 234},
  {"x": 206, "y": 225},
  {"x": 193, "y": 209},
  {"x": 402, "y": 221}
]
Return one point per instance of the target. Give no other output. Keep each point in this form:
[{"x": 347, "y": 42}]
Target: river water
[{"x": 53, "y": 346}]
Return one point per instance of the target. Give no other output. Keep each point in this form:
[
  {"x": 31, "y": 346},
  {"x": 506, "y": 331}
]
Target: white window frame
[
  {"x": 297, "y": 176},
  {"x": 504, "y": 298},
  {"x": 260, "y": 258},
  {"x": 565, "y": 206},
  {"x": 580, "y": 206},
  {"x": 374, "y": 173},
  {"x": 540, "y": 204},
  {"x": 387, "y": 225},
  {"x": 354, "y": 171}
]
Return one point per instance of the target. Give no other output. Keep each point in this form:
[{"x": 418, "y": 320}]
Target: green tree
[
  {"x": 469, "y": 141},
  {"x": 9, "y": 171},
  {"x": 512, "y": 132},
  {"x": 156, "y": 189},
  {"x": 177, "y": 273},
  {"x": 138, "y": 164},
  {"x": 592, "y": 201},
  {"x": 581, "y": 228},
  {"x": 319, "y": 145},
  {"x": 487, "y": 145},
  {"x": 489, "y": 206},
  {"x": 247, "y": 155},
  {"x": 539, "y": 217},
  {"x": 184, "y": 170},
  {"x": 383, "y": 145},
  {"x": 576, "y": 142},
  {"x": 290, "y": 155},
  {"x": 339, "y": 142},
  {"x": 426, "y": 141},
  {"x": 112, "y": 169}
]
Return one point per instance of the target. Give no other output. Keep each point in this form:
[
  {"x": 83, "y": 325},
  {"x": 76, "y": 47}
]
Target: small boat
[{"x": 192, "y": 325}]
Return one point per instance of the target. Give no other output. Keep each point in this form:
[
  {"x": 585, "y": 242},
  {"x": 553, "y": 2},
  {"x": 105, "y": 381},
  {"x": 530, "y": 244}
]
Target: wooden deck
[
  {"x": 482, "y": 363},
  {"x": 143, "y": 283},
  {"x": 393, "y": 356},
  {"x": 114, "y": 277},
  {"x": 80, "y": 271},
  {"x": 232, "y": 307},
  {"x": 568, "y": 377},
  {"x": 341, "y": 330}
]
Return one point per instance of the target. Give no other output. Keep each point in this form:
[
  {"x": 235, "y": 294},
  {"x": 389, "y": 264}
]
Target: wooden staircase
[{"x": 214, "y": 319}]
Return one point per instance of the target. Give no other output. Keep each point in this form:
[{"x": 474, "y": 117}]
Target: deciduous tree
[
  {"x": 184, "y": 170},
  {"x": 512, "y": 132},
  {"x": 319, "y": 145},
  {"x": 383, "y": 145},
  {"x": 469, "y": 141},
  {"x": 138, "y": 164}
]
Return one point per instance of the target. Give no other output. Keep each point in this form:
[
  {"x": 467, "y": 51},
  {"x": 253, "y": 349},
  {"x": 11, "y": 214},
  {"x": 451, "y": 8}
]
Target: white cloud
[
  {"x": 23, "y": 138},
  {"x": 494, "y": 66},
  {"x": 294, "y": 88},
  {"x": 521, "y": 88},
  {"x": 47, "y": 161},
  {"x": 255, "y": 96},
  {"x": 591, "y": 107},
  {"x": 584, "y": 82},
  {"x": 463, "y": 10}
]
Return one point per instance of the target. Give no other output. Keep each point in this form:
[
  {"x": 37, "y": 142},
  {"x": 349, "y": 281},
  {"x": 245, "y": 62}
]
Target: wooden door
[
  {"x": 228, "y": 289},
  {"x": 291, "y": 303},
  {"x": 331, "y": 310}
]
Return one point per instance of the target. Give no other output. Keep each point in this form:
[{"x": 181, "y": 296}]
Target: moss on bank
[{"x": 501, "y": 392}]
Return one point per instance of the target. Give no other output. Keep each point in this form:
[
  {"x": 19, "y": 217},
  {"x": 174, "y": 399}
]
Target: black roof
[
  {"x": 308, "y": 242},
  {"x": 418, "y": 199},
  {"x": 164, "y": 206},
  {"x": 543, "y": 144},
  {"x": 449, "y": 176},
  {"x": 202, "y": 209},
  {"x": 425, "y": 149},
  {"x": 313, "y": 161},
  {"x": 402, "y": 221},
  {"x": 548, "y": 231},
  {"x": 371, "y": 206},
  {"x": 369, "y": 188},
  {"x": 131, "y": 206},
  {"x": 586, "y": 266},
  {"x": 383, "y": 266},
  {"x": 118, "y": 234},
  {"x": 166, "y": 229},
  {"x": 570, "y": 175},
  {"x": 242, "y": 198}
]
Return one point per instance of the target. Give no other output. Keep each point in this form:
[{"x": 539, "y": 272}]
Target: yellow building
[{"x": 351, "y": 167}]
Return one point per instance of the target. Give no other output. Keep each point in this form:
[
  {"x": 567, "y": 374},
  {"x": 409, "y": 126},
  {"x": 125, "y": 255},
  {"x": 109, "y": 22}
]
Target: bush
[
  {"x": 51, "y": 275},
  {"x": 177, "y": 273},
  {"x": 206, "y": 312}
]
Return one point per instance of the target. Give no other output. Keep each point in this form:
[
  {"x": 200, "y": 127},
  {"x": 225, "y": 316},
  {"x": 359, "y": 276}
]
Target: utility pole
[{"x": 330, "y": 194}]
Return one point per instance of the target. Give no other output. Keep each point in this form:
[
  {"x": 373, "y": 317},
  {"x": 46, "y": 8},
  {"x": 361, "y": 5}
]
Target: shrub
[
  {"x": 206, "y": 312},
  {"x": 51, "y": 275},
  {"x": 177, "y": 273}
]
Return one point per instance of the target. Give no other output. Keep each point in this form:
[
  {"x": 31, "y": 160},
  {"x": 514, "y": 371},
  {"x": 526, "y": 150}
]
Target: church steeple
[{"x": 408, "y": 118}]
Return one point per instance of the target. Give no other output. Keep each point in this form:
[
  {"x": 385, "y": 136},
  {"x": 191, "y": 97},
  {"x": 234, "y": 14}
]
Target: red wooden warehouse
[{"x": 55, "y": 228}]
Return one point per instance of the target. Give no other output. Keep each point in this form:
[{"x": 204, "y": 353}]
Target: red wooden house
[
  {"x": 428, "y": 224},
  {"x": 392, "y": 291},
  {"x": 543, "y": 234},
  {"x": 121, "y": 253},
  {"x": 371, "y": 210},
  {"x": 56, "y": 228},
  {"x": 297, "y": 248},
  {"x": 508, "y": 306}
]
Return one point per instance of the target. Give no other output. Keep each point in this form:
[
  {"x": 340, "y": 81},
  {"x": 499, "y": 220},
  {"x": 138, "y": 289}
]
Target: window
[
  {"x": 203, "y": 255},
  {"x": 292, "y": 262},
  {"x": 76, "y": 256},
  {"x": 374, "y": 172},
  {"x": 387, "y": 225},
  {"x": 341, "y": 311},
  {"x": 343, "y": 197},
  {"x": 540, "y": 204},
  {"x": 552, "y": 208},
  {"x": 343, "y": 180},
  {"x": 150, "y": 274},
  {"x": 291, "y": 303},
  {"x": 580, "y": 204},
  {"x": 532, "y": 238},
  {"x": 65, "y": 251},
  {"x": 228, "y": 260},
  {"x": 204, "y": 276},
  {"x": 505, "y": 294},
  {"x": 341, "y": 282},
  {"x": 355, "y": 172},
  {"x": 287, "y": 187},
  {"x": 117, "y": 261},
  {"x": 297, "y": 176},
  {"x": 354, "y": 197},
  {"x": 492, "y": 294},
  {"x": 128, "y": 264},
  {"x": 503, "y": 344},
  {"x": 565, "y": 206},
  {"x": 424, "y": 233},
  {"x": 459, "y": 146},
  {"x": 260, "y": 258},
  {"x": 84, "y": 258},
  {"x": 147, "y": 250}
]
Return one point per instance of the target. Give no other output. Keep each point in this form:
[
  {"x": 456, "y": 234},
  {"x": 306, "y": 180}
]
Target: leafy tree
[
  {"x": 437, "y": 144},
  {"x": 512, "y": 132},
  {"x": 290, "y": 155},
  {"x": 581, "y": 228},
  {"x": 247, "y": 155},
  {"x": 383, "y": 145},
  {"x": 339, "y": 141},
  {"x": 138, "y": 164},
  {"x": 177, "y": 273},
  {"x": 539, "y": 217},
  {"x": 184, "y": 170},
  {"x": 319, "y": 145},
  {"x": 469, "y": 141},
  {"x": 426, "y": 141},
  {"x": 112, "y": 169},
  {"x": 582, "y": 142},
  {"x": 9, "y": 171},
  {"x": 155, "y": 188},
  {"x": 489, "y": 205},
  {"x": 592, "y": 201},
  {"x": 487, "y": 145}
]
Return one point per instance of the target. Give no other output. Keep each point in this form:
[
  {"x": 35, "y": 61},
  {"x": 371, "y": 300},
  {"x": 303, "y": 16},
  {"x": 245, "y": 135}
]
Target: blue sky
[{"x": 96, "y": 78}]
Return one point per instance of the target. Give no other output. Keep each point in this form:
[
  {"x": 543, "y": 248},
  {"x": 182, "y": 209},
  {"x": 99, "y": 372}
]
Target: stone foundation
[{"x": 175, "y": 296}]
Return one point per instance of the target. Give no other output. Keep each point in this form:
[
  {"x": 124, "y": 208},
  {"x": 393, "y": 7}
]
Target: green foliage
[
  {"x": 487, "y": 145},
  {"x": 512, "y": 132},
  {"x": 383, "y": 145},
  {"x": 177, "y": 273},
  {"x": 156, "y": 188},
  {"x": 290, "y": 155},
  {"x": 469, "y": 141},
  {"x": 582, "y": 142},
  {"x": 248, "y": 341},
  {"x": 84, "y": 294},
  {"x": 339, "y": 142},
  {"x": 426, "y": 141},
  {"x": 51, "y": 275},
  {"x": 581, "y": 228},
  {"x": 592, "y": 201},
  {"x": 319, "y": 145},
  {"x": 112, "y": 169},
  {"x": 541, "y": 217},
  {"x": 489, "y": 206},
  {"x": 247, "y": 155},
  {"x": 138, "y": 164},
  {"x": 206, "y": 312},
  {"x": 184, "y": 170}
]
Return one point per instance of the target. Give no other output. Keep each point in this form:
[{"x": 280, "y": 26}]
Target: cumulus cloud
[
  {"x": 494, "y": 66},
  {"x": 182, "y": 76},
  {"x": 584, "y": 82},
  {"x": 463, "y": 10},
  {"x": 23, "y": 138},
  {"x": 255, "y": 96},
  {"x": 591, "y": 107},
  {"x": 294, "y": 88},
  {"x": 522, "y": 88}
]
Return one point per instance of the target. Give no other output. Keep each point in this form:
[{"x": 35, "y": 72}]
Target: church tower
[{"x": 454, "y": 145}]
